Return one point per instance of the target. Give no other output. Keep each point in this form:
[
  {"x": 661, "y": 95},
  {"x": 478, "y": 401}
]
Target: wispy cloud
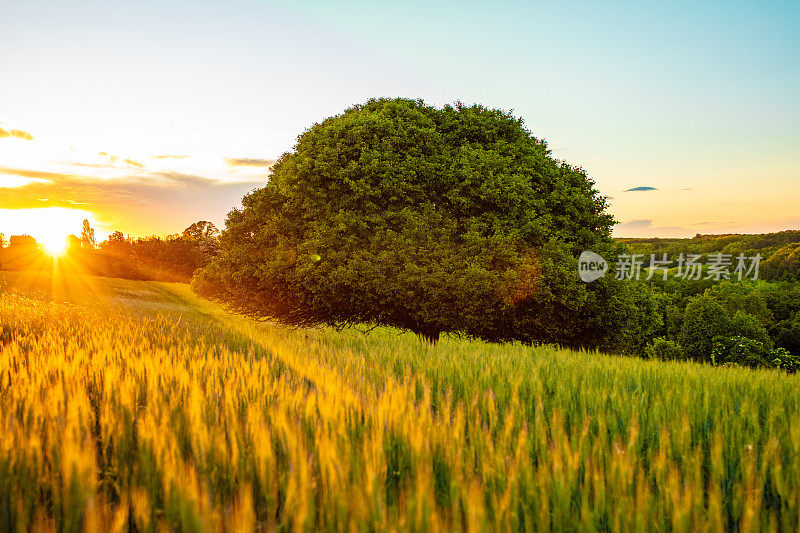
[
  {"x": 645, "y": 228},
  {"x": 636, "y": 224},
  {"x": 249, "y": 162},
  {"x": 38, "y": 174},
  {"x": 10, "y": 182},
  {"x": 178, "y": 179},
  {"x": 169, "y": 156},
  {"x": 112, "y": 160},
  {"x": 138, "y": 202},
  {"x": 641, "y": 188},
  {"x": 19, "y": 134},
  {"x": 60, "y": 188}
]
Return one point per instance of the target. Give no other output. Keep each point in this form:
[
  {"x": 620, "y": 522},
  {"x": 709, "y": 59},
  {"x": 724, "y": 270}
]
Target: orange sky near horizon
[{"x": 47, "y": 190}]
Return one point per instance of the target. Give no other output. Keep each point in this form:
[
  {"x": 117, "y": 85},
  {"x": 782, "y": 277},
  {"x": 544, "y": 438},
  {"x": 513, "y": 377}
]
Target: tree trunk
[{"x": 428, "y": 335}]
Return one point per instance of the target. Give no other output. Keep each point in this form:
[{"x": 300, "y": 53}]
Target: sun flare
[
  {"x": 54, "y": 244},
  {"x": 50, "y": 226}
]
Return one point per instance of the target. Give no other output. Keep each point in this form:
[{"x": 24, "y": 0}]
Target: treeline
[{"x": 172, "y": 258}]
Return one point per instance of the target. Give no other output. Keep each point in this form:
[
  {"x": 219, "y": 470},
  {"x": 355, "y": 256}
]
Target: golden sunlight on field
[{"x": 138, "y": 403}]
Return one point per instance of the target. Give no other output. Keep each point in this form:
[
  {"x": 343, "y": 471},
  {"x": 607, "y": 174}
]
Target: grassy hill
[{"x": 137, "y": 404}]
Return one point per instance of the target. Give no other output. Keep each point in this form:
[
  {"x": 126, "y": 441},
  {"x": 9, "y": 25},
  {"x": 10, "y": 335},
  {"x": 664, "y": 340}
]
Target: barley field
[{"x": 137, "y": 406}]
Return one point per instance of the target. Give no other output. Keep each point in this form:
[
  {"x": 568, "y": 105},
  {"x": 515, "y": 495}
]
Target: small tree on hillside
[
  {"x": 87, "y": 236},
  {"x": 117, "y": 238},
  {"x": 432, "y": 220},
  {"x": 205, "y": 239},
  {"x": 201, "y": 229}
]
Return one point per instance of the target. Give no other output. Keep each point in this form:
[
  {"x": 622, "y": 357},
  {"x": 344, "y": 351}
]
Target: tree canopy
[{"x": 452, "y": 219}]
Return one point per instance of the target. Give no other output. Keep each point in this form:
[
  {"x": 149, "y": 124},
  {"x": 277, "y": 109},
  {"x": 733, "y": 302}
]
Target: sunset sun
[
  {"x": 54, "y": 244},
  {"x": 50, "y": 226}
]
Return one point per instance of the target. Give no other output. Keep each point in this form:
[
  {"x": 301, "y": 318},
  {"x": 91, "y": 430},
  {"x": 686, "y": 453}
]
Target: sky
[{"x": 145, "y": 116}]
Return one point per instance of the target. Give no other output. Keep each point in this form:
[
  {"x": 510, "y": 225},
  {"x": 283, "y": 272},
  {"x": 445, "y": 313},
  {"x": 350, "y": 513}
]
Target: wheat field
[{"x": 137, "y": 406}]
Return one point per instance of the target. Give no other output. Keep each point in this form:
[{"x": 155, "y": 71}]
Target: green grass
[{"x": 245, "y": 425}]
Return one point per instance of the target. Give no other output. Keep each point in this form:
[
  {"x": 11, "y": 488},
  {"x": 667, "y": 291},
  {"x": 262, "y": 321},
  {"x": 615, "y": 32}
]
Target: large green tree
[{"x": 452, "y": 219}]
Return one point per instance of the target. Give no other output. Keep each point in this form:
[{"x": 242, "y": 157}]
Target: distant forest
[{"x": 780, "y": 252}]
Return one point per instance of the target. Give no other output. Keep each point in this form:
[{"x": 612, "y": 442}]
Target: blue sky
[{"x": 696, "y": 101}]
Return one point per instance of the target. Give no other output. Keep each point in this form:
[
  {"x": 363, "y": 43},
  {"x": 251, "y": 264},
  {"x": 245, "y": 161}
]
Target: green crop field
[{"x": 138, "y": 406}]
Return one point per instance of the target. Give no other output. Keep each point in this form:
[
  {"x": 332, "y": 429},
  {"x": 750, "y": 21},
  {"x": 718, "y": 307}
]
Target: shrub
[
  {"x": 787, "y": 335},
  {"x": 703, "y": 320},
  {"x": 665, "y": 350},
  {"x": 749, "y": 352},
  {"x": 748, "y": 326}
]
